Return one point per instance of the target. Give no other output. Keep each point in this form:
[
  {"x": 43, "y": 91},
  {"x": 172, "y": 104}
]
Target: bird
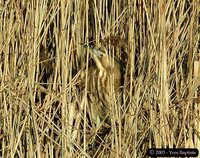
[{"x": 104, "y": 81}]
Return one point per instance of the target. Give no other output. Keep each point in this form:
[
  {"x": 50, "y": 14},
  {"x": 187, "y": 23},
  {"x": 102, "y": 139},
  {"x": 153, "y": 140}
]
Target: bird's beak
[{"x": 95, "y": 52}]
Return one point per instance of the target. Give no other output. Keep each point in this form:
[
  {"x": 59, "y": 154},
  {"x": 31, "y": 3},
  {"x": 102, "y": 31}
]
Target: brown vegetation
[{"x": 50, "y": 83}]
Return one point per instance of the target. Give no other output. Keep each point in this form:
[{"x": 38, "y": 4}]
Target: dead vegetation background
[{"x": 44, "y": 114}]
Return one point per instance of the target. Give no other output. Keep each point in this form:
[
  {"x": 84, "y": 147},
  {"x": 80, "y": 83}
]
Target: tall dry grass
[{"x": 43, "y": 113}]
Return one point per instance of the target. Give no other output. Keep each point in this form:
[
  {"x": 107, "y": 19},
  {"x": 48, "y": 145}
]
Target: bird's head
[{"x": 100, "y": 58}]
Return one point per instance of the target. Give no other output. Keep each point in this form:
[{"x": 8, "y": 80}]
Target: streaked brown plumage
[{"x": 102, "y": 77}]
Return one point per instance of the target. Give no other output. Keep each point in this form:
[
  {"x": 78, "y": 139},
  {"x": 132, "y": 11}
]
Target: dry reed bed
[{"x": 43, "y": 112}]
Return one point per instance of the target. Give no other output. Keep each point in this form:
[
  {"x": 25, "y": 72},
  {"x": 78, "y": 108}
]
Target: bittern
[{"x": 104, "y": 81}]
